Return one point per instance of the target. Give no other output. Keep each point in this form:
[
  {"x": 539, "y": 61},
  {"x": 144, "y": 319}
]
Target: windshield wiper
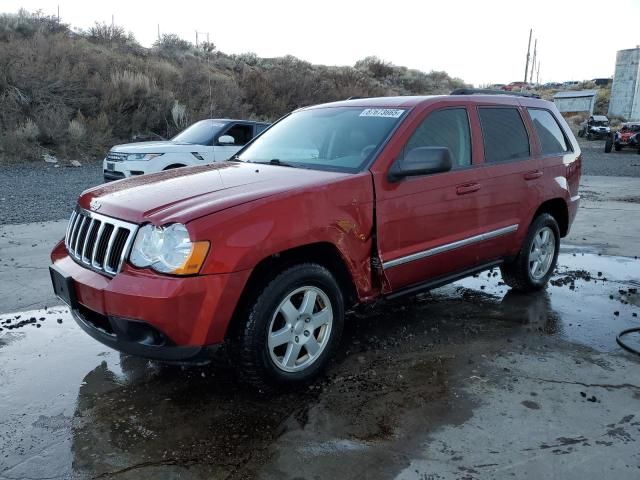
[{"x": 280, "y": 163}]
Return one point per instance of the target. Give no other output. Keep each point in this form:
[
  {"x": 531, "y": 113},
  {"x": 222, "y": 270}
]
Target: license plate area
[{"x": 63, "y": 287}]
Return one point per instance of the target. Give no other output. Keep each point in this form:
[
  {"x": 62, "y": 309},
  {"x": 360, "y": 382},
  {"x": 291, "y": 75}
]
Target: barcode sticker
[{"x": 382, "y": 112}]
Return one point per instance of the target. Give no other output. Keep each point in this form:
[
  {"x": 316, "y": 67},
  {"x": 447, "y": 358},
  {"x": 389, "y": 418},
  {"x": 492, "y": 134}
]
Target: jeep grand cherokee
[{"x": 335, "y": 205}]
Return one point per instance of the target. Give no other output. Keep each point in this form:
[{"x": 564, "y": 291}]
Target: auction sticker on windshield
[{"x": 382, "y": 112}]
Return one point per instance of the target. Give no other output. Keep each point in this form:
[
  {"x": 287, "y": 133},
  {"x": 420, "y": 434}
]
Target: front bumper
[
  {"x": 599, "y": 133},
  {"x": 148, "y": 314}
]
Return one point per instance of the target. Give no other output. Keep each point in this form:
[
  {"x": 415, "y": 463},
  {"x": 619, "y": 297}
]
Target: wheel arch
[
  {"x": 325, "y": 254},
  {"x": 557, "y": 208}
]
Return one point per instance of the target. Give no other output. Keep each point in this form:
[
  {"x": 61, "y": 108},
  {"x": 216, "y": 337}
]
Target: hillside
[{"x": 74, "y": 93}]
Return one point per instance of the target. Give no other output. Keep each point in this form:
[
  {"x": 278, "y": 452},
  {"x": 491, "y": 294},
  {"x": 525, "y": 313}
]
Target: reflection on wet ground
[{"x": 70, "y": 407}]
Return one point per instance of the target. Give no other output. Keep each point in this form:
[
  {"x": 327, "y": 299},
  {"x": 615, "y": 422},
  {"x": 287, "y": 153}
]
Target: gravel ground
[
  {"x": 625, "y": 163},
  {"x": 37, "y": 192}
]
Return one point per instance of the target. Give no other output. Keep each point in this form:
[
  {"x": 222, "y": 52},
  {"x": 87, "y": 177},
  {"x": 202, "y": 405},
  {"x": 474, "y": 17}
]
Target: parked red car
[
  {"x": 517, "y": 86},
  {"x": 334, "y": 205}
]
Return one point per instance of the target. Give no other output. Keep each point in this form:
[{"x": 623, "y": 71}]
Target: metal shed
[{"x": 577, "y": 101}]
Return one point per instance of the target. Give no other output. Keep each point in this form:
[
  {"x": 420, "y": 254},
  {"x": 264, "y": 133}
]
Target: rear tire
[
  {"x": 608, "y": 145},
  {"x": 292, "y": 328},
  {"x": 536, "y": 261}
]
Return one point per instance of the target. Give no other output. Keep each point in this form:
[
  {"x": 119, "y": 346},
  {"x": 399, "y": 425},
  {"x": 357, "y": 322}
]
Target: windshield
[
  {"x": 200, "y": 133},
  {"x": 599, "y": 123},
  {"x": 332, "y": 138}
]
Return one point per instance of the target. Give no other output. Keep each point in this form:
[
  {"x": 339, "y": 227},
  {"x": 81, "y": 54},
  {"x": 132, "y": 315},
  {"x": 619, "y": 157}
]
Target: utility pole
[
  {"x": 538, "y": 75},
  {"x": 158, "y": 32},
  {"x": 526, "y": 68},
  {"x": 58, "y": 13},
  {"x": 533, "y": 64},
  {"x": 196, "y": 38}
]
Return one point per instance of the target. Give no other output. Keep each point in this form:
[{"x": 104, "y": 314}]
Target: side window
[
  {"x": 445, "y": 128},
  {"x": 505, "y": 137},
  {"x": 552, "y": 140},
  {"x": 241, "y": 133},
  {"x": 260, "y": 128}
]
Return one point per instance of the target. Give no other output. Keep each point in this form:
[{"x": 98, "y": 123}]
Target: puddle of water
[{"x": 72, "y": 406}]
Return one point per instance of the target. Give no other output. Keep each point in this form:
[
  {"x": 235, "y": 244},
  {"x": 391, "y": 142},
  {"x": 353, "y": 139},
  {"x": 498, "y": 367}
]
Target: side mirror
[
  {"x": 226, "y": 140},
  {"x": 421, "y": 161}
]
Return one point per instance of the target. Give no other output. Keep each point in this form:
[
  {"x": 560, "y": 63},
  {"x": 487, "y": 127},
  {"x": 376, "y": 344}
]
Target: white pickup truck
[{"x": 206, "y": 141}]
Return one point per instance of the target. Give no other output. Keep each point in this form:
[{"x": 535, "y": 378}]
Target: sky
[{"x": 482, "y": 42}]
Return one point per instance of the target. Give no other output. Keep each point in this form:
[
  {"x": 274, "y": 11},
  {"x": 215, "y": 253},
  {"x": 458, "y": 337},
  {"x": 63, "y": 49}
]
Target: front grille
[
  {"x": 116, "y": 157},
  {"x": 99, "y": 242}
]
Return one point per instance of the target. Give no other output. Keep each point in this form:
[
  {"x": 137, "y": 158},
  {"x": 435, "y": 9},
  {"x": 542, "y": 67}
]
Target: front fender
[{"x": 339, "y": 213}]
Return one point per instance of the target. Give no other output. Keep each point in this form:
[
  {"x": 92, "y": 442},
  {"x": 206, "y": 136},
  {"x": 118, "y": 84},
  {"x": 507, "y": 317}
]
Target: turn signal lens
[{"x": 194, "y": 261}]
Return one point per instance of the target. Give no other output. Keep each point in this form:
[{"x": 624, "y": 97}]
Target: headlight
[
  {"x": 143, "y": 156},
  {"x": 168, "y": 249}
]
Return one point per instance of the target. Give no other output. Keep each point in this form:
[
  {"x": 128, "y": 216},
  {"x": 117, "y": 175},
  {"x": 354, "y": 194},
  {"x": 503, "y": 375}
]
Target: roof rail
[{"x": 487, "y": 91}]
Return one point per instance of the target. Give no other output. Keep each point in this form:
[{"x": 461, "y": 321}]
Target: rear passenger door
[{"x": 512, "y": 176}]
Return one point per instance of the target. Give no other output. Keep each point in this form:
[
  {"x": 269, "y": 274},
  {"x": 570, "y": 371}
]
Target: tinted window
[
  {"x": 551, "y": 137},
  {"x": 505, "y": 137},
  {"x": 445, "y": 128},
  {"x": 260, "y": 128},
  {"x": 330, "y": 138},
  {"x": 241, "y": 133},
  {"x": 200, "y": 133}
]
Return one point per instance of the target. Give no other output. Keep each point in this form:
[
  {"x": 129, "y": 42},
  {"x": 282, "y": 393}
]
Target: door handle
[
  {"x": 467, "y": 188},
  {"x": 533, "y": 174}
]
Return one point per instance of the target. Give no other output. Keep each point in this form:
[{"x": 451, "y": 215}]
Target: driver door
[{"x": 426, "y": 224}]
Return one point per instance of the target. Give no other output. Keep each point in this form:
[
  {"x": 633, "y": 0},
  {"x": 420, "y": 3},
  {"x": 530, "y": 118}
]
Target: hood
[
  {"x": 184, "y": 194},
  {"x": 166, "y": 146}
]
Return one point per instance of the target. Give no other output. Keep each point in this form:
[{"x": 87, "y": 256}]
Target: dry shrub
[
  {"x": 179, "y": 115},
  {"x": 28, "y": 131},
  {"x": 76, "y": 93}
]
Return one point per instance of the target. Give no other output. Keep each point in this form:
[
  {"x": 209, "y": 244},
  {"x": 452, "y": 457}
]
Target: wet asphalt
[{"x": 469, "y": 381}]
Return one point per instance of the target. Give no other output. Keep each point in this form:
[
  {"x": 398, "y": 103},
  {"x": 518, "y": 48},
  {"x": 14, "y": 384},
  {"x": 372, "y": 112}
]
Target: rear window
[
  {"x": 552, "y": 139},
  {"x": 505, "y": 137}
]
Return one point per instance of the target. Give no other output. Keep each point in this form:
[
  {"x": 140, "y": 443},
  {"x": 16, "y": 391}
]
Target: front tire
[
  {"x": 617, "y": 147},
  {"x": 292, "y": 328},
  {"x": 536, "y": 261}
]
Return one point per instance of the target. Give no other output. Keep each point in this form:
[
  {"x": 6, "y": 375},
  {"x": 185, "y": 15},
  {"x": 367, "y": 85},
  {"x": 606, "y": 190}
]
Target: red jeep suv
[{"x": 334, "y": 205}]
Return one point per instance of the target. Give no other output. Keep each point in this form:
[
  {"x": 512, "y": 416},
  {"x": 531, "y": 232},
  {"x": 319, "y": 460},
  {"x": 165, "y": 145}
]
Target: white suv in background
[{"x": 206, "y": 141}]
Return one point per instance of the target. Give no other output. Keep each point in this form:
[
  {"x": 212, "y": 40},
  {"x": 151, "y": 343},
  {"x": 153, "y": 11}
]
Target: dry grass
[{"x": 75, "y": 93}]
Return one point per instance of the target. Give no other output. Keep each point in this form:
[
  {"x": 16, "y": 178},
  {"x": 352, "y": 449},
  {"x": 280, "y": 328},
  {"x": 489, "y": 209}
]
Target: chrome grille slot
[{"x": 99, "y": 242}]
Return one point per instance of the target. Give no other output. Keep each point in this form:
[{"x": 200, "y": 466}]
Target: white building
[
  {"x": 575, "y": 101},
  {"x": 625, "y": 91}
]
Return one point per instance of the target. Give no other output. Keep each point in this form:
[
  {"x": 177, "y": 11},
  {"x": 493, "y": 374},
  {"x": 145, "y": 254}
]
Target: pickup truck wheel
[
  {"x": 537, "y": 258},
  {"x": 617, "y": 147},
  {"x": 293, "y": 327}
]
